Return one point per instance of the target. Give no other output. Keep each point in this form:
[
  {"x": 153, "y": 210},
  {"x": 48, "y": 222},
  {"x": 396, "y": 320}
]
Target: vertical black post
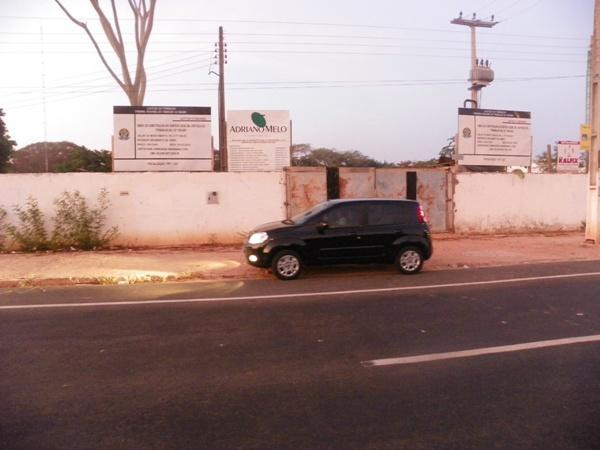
[
  {"x": 333, "y": 183},
  {"x": 411, "y": 185}
]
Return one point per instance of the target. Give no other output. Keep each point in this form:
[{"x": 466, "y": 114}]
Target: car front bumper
[{"x": 255, "y": 255}]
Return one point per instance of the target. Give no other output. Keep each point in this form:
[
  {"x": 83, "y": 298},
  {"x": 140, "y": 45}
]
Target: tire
[
  {"x": 286, "y": 265},
  {"x": 409, "y": 260}
]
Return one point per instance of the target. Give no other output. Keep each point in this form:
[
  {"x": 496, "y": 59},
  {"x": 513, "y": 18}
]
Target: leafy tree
[
  {"x": 433, "y": 162},
  {"x": 62, "y": 156},
  {"x": 84, "y": 160},
  {"x": 6, "y": 145},
  {"x": 143, "y": 14},
  {"x": 446, "y": 155},
  {"x": 305, "y": 155}
]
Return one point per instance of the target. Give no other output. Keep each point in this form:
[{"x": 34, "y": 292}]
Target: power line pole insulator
[{"x": 480, "y": 75}]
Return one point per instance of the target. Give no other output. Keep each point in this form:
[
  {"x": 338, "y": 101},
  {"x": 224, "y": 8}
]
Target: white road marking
[
  {"x": 480, "y": 351},
  {"x": 300, "y": 295}
]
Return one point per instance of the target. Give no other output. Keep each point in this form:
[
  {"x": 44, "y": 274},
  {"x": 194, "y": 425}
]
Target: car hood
[{"x": 271, "y": 226}]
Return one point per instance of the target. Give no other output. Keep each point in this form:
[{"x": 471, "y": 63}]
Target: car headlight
[{"x": 258, "y": 238}]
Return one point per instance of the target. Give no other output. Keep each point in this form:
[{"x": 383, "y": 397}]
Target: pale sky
[{"x": 384, "y": 77}]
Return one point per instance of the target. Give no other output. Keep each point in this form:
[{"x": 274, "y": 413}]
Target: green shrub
[
  {"x": 31, "y": 234},
  {"x": 77, "y": 226},
  {"x": 3, "y": 215}
]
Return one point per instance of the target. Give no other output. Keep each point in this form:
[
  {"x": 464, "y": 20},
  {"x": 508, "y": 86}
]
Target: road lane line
[
  {"x": 300, "y": 295},
  {"x": 479, "y": 351}
]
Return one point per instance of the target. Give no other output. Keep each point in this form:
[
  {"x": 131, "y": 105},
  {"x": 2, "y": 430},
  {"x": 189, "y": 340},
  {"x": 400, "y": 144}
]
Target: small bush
[
  {"x": 31, "y": 234},
  {"x": 77, "y": 226},
  {"x": 3, "y": 215}
]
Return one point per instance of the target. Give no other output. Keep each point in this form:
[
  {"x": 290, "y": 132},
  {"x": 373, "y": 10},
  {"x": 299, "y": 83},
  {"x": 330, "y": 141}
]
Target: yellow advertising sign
[{"x": 585, "y": 142}]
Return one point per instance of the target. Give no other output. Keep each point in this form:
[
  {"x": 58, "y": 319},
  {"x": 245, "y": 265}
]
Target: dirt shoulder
[{"x": 451, "y": 251}]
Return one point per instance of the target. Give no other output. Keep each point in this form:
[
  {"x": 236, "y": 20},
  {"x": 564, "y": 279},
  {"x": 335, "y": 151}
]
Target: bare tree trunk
[{"x": 143, "y": 12}]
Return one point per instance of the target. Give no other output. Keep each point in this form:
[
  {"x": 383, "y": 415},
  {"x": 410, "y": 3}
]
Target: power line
[
  {"x": 243, "y": 21},
  {"x": 124, "y": 33},
  {"x": 331, "y": 52},
  {"x": 84, "y": 52},
  {"x": 87, "y": 79},
  {"x": 334, "y": 44},
  {"x": 63, "y": 97},
  {"x": 500, "y": 11},
  {"x": 338, "y": 44},
  {"x": 165, "y": 74},
  {"x": 340, "y": 36},
  {"x": 285, "y": 42},
  {"x": 487, "y": 5},
  {"x": 262, "y": 82},
  {"x": 287, "y": 22},
  {"x": 291, "y": 85},
  {"x": 420, "y": 55},
  {"x": 387, "y": 38},
  {"x": 523, "y": 10}
]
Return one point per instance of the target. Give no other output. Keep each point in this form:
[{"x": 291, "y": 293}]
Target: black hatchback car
[{"x": 343, "y": 232}]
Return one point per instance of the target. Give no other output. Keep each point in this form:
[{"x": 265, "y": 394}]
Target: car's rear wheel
[
  {"x": 286, "y": 265},
  {"x": 409, "y": 260}
]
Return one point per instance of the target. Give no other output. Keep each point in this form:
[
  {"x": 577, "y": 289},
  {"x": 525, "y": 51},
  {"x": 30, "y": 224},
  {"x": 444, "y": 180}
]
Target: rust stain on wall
[
  {"x": 306, "y": 188},
  {"x": 425, "y": 196},
  {"x": 343, "y": 187},
  {"x": 431, "y": 193},
  {"x": 357, "y": 182},
  {"x": 390, "y": 183}
]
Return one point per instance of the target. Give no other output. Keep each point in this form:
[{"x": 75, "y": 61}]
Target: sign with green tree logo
[{"x": 258, "y": 141}]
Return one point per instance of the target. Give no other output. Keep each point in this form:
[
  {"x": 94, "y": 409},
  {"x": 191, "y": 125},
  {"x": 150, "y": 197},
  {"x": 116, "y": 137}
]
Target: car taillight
[{"x": 421, "y": 217}]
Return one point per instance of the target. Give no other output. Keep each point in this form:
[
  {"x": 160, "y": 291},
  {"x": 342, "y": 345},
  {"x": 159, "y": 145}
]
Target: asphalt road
[{"x": 268, "y": 364}]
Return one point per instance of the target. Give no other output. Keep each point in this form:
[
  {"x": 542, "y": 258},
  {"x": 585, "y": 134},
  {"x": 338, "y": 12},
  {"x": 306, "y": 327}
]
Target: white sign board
[
  {"x": 162, "y": 138},
  {"x": 567, "y": 156},
  {"x": 490, "y": 137},
  {"x": 258, "y": 141}
]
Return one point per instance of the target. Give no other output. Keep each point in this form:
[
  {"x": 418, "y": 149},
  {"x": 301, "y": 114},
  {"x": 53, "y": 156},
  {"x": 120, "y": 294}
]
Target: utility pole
[
  {"x": 481, "y": 74},
  {"x": 222, "y": 122},
  {"x": 592, "y": 230},
  {"x": 549, "y": 160},
  {"x": 46, "y": 169}
]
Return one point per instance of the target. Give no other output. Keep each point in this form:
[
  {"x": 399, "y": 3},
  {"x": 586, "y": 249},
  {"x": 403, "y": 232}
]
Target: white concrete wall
[
  {"x": 162, "y": 209},
  {"x": 170, "y": 209},
  {"x": 489, "y": 202}
]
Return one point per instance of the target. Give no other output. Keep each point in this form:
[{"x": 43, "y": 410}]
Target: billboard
[
  {"x": 490, "y": 137},
  {"x": 258, "y": 141},
  {"x": 567, "y": 156},
  {"x": 162, "y": 138}
]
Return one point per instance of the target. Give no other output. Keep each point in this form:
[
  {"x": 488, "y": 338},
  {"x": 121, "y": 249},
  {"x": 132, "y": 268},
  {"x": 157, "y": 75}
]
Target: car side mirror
[{"x": 322, "y": 226}]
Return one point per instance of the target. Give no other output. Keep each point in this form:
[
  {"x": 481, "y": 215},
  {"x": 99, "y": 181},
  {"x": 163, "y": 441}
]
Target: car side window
[
  {"x": 344, "y": 216},
  {"x": 388, "y": 214}
]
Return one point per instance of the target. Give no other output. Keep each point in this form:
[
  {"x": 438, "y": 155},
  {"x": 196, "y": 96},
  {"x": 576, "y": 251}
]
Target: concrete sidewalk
[{"x": 214, "y": 263}]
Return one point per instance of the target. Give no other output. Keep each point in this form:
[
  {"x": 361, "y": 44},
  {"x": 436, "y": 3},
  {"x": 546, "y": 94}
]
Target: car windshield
[{"x": 305, "y": 216}]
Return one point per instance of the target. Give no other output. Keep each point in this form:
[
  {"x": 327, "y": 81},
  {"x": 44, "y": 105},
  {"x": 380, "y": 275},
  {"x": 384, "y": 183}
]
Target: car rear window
[{"x": 391, "y": 213}]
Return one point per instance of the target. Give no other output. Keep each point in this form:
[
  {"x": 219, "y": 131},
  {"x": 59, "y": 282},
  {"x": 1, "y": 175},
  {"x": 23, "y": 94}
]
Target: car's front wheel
[
  {"x": 409, "y": 260},
  {"x": 286, "y": 265}
]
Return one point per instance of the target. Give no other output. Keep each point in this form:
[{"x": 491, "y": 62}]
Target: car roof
[{"x": 370, "y": 200}]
